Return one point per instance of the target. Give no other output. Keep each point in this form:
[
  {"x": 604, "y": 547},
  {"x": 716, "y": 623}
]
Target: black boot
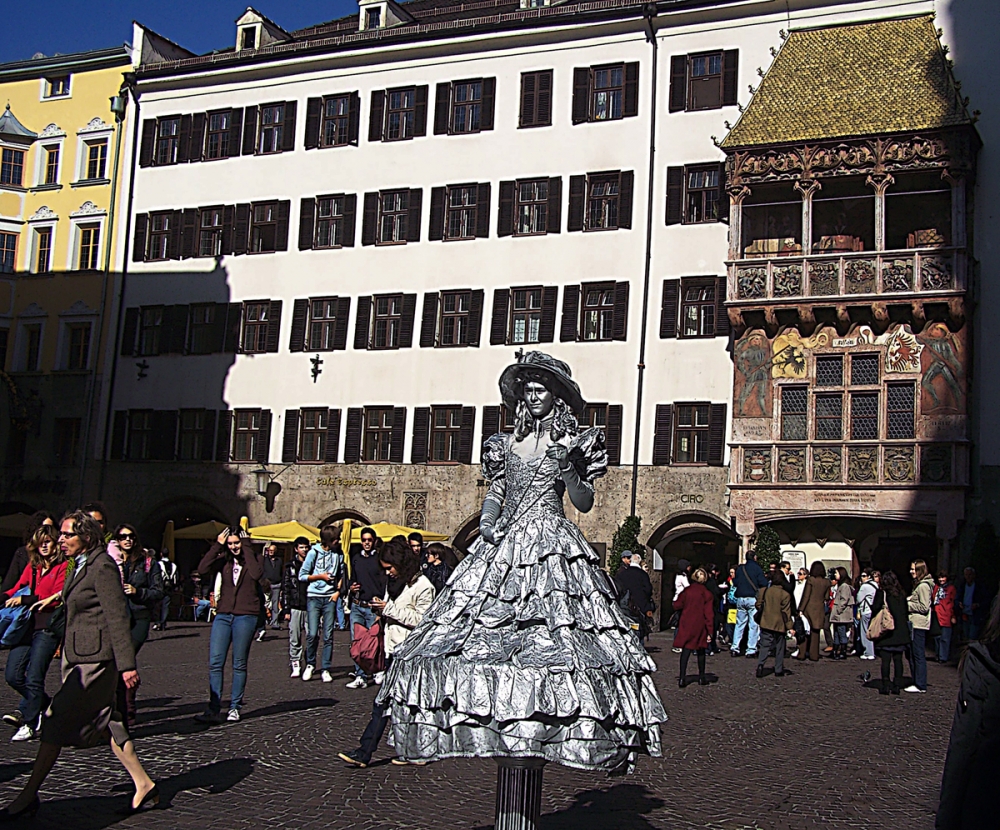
[
  {"x": 681, "y": 682},
  {"x": 760, "y": 671},
  {"x": 883, "y": 688}
]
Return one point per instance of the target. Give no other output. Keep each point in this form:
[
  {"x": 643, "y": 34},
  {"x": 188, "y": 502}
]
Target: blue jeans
[
  {"x": 944, "y": 644},
  {"x": 746, "y": 607},
  {"x": 341, "y": 619},
  {"x": 361, "y": 615},
  {"x": 316, "y": 606},
  {"x": 840, "y": 633},
  {"x": 237, "y": 630},
  {"x": 866, "y": 620},
  {"x": 970, "y": 630},
  {"x": 918, "y": 657},
  {"x": 26, "y": 668}
]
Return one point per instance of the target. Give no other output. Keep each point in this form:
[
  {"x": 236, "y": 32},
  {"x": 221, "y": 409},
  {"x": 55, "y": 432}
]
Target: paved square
[{"x": 813, "y": 749}]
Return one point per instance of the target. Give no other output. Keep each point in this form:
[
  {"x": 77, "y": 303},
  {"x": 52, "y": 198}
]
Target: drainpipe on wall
[{"x": 649, "y": 15}]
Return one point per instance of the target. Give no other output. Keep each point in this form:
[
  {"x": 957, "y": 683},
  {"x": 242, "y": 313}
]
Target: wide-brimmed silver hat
[{"x": 545, "y": 369}]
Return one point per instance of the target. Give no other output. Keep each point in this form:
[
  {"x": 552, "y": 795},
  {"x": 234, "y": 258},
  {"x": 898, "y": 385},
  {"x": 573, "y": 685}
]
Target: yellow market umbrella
[
  {"x": 284, "y": 532},
  {"x": 385, "y": 531},
  {"x": 205, "y": 530},
  {"x": 244, "y": 523},
  {"x": 345, "y": 544},
  {"x": 14, "y": 524},
  {"x": 168, "y": 539}
]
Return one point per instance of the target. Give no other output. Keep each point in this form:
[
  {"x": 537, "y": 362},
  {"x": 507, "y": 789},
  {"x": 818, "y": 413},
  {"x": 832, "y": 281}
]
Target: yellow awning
[
  {"x": 284, "y": 532},
  {"x": 385, "y": 531},
  {"x": 205, "y": 530}
]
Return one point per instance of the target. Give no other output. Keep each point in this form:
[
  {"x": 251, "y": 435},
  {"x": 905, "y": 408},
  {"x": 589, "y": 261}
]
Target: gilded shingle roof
[{"x": 884, "y": 76}]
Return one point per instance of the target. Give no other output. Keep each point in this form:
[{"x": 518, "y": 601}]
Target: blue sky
[{"x": 73, "y": 26}]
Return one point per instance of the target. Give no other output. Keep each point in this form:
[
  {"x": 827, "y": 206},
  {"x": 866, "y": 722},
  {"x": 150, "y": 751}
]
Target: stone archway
[{"x": 357, "y": 519}]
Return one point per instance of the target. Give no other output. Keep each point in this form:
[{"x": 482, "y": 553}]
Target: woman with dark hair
[
  {"x": 142, "y": 581},
  {"x": 408, "y": 595},
  {"x": 238, "y": 606},
  {"x": 813, "y": 607},
  {"x": 865, "y": 597},
  {"x": 842, "y": 615},
  {"x": 918, "y": 604},
  {"x": 696, "y": 606},
  {"x": 28, "y": 662},
  {"x": 20, "y": 560},
  {"x": 436, "y": 569},
  {"x": 891, "y": 645},
  {"x": 972, "y": 767},
  {"x": 97, "y": 647}
]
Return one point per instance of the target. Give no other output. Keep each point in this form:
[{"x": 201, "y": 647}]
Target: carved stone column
[
  {"x": 807, "y": 187},
  {"x": 957, "y": 182},
  {"x": 736, "y": 196},
  {"x": 880, "y": 183}
]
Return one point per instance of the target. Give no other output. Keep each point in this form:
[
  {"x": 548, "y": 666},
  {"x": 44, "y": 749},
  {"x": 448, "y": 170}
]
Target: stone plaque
[{"x": 415, "y": 510}]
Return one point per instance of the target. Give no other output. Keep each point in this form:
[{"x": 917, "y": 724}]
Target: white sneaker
[
  {"x": 913, "y": 689},
  {"x": 233, "y": 716},
  {"x": 379, "y": 677},
  {"x": 308, "y": 673},
  {"x": 260, "y": 636},
  {"x": 867, "y": 657},
  {"x": 327, "y": 677},
  {"x": 25, "y": 733},
  {"x": 296, "y": 670},
  {"x": 357, "y": 682},
  {"x": 794, "y": 653}
]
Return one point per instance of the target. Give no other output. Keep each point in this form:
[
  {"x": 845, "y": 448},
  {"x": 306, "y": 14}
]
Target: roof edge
[{"x": 92, "y": 59}]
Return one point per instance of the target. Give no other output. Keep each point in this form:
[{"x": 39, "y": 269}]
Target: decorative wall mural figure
[
  {"x": 752, "y": 394},
  {"x": 790, "y": 353},
  {"x": 942, "y": 387}
]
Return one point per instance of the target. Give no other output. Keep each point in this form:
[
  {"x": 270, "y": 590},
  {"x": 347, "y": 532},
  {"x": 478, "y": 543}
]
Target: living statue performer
[{"x": 525, "y": 655}]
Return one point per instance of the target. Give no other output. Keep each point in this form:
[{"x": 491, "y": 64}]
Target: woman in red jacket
[
  {"x": 694, "y": 630},
  {"x": 943, "y": 602}
]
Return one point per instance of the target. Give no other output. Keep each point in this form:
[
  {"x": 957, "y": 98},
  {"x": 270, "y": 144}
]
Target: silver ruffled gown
[{"x": 525, "y": 652}]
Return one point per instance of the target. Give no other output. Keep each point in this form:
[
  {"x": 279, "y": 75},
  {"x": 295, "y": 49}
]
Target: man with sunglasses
[{"x": 368, "y": 581}]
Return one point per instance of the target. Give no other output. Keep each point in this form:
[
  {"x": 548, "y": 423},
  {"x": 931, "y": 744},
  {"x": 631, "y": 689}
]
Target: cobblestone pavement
[{"x": 812, "y": 749}]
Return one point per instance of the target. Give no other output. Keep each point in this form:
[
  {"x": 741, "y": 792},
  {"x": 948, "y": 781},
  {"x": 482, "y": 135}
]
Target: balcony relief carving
[
  {"x": 897, "y": 275},
  {"x": 935, "y": 463},
  {"x": 827, "y": 464},
  {"x": 936, "y": 273},
  {"x": 860, "y": 276},
  {"x": 824, "y": 278},
  {"x": 899, "y": 465},
  {"x": 862, "y": 464},
  {"x": 788, "y": 280},
  {"x": 757, "y": 464},
  {"x": 792, "y": 464},
  {"x": 751, "y": 283}
]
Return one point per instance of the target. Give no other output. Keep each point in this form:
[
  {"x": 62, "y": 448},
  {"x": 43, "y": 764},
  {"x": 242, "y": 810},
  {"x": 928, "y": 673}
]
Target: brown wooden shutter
[
  {"x": 176, "y": 234},
  {"x": 722, "y": 200},
  {"x": 669, "y": 307},
  {"x": 625, "y": 188},
  {"x": 173, "y": 329},
  {"x": 129, "y": 332},
  {"x": 241, "y": 229},
  {"x": 428, "y": 321},
  {"x": 234, "y": 323},
  {"x": 577, "y": 202},
  {"x": 197, "y": 143},
  {"x": 421, "y": 434},
  {"x": 675, "y": 195},
  {"x": 369, "y": 221},
  {"x": 290, "y": 440},
  {"x": 630, "y": 106},
  {"x": 442, "y": 108},
  {"x": 721, "y": 314},
  {"x": 353, "y": 125},
  {"x": 717, "y": 434},
  {"x": 466, "y": 434},
  {"x": 488, "y": 106},
  {"x": 529, "y": 92},
  {"x": 547, "y": 325},
  {"x": 376, "y": 115},
  {"x": 619, "y": 321},
  {"x": 406, "y": 317},
  {"x": 208, "y": 435},
  {"x": 581, "y": 94},
  {"x": 332, "y": 436},
  {"x": 139, "y": 239},
  {"x": 147, "y": 142},
  {"x": 314, "y": 111},
  {"x": 476, "y": 316},
  {"x": 218, "y": 328},
  {"x": 288, "y": 130},
  {"x": 184, "y": 139},
  {"x": 420, "y": 111},
  {"x": 570, "y": 314},
  {"x": 307, "y": 222},
  {"x": 413, "y": 218},
  {"x": 249, "y": 131},
  {"x": 398, "y": 435},
  {"x": 119, "y": 431},
  {"x": 228, "y": 226},
  {"x": 274, "y": 326},
  {"x": 483, "y": 211},
  {"x": 491, "y": 422},
  {"x": 613, "y": 434},
  {"x": 189, "y": 234},
  {"x": 662, "y": 429},
  {"x": 543, "y": 102},
  {"x": 362, "y": 322},
  {"x": 435, "y": 228},
  {"x": 352, "y": 438},
  {"x": 223, "y": 437},
  {"x": 350, "y": 219},
  {"x": 505, "y": 214},
  {"x": 553, "y": 220},
  {"x": 264, "y": 437},
  {"x": 235, "y": 131},
  {"x": 281, "y": 230},
  {"x": 300, "y": 314},
  {"x": 678, "y": 83},
  {"x": 340, "y": 327},
  {"x": 730, "y": 69},
  {"x": 498, "y": 325}
]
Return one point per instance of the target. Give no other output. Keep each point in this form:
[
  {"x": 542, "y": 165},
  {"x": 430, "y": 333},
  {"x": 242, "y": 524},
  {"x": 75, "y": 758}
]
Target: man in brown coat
[{"x": 774, "y": 604}]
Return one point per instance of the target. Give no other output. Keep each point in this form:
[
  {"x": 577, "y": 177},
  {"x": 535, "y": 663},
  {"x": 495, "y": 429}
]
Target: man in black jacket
[
  {"x": 272, "y": 573},
  {"x": 296, "y": 601},
  {"x": 749, "y": 579},
  {"x": 367, "y": 582},
  {"x": 631, "y": 579}
]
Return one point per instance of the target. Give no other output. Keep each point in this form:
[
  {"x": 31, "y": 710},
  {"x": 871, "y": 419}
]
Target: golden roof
[{"x": 873, "y": 78}]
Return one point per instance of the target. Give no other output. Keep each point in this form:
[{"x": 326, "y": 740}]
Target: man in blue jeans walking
[
  {"x": 323, "y": 570},
  {"x": 749, "y": 579},
  {"x": 367, "y": 583}
]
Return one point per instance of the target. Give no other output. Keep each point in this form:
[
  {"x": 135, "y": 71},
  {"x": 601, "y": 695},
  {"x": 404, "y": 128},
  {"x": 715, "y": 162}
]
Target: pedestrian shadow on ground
[
  {"x": 8, "y": 772},
  {"x": 98, "y": 812},
  {"x": 180, "y": 720}
]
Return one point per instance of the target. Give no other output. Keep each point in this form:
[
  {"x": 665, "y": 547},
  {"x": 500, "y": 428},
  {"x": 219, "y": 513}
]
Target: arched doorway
[
  {"x": 184, "y": 512},
  {"x": 357, "y": 519}
]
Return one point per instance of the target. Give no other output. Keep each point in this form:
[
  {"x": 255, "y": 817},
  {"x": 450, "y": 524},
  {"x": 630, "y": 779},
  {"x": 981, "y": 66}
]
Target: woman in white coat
[{"x": 866, "y": 596}]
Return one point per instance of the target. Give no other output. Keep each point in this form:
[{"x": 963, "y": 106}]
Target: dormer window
[
  {"x": 248, "y": 37},
  {"x": 373, "y": 18},
  {"x": 534, "y": 4},
  {"x": 381, "y": 14},
  {"x": 57, "y": 87}
]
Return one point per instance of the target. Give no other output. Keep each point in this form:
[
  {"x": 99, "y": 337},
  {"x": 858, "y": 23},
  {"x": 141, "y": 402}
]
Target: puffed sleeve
[
  {"x": 494, "y": 464},
  {"x": 589, "y": 455}
]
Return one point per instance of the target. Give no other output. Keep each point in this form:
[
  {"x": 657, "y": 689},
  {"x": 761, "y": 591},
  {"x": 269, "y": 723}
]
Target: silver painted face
[{"x": 538, "y": 399}]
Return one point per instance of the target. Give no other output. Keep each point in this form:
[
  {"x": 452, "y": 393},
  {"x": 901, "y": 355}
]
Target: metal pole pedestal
[{"x": 519, "y": 793}]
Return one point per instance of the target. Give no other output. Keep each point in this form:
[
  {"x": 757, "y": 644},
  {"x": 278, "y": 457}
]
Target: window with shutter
[
  {"x": 333, "y": 436},
  {"x": 613, "y": 434},
  {"x": 400, "y": 114},
  {"x": 129, "y": 332},
  {"x": 669, "y": 308},
  {"x": 662, "y": 434},
  {"x": 536, "y": 99},
  {"x": 218, "y": 138},
  {"x": 249, "y": 131},
  {"x": 246, "y": 434},
  {"x": 362, "y": 325},
  {"x": 223, "y": 437},
  {"x": 273, "y": 126},
  {"x": 699, "y": 304},
  {"x": 466, "y": 107},
  {"x": 421, "y": 430},
  {"x": 569, "y": 330},
  {"x": 429, "y": 320},
  {"x": 717, "y": 434},
  {"x": 354, "y": 435},
  {"x": 313, "y": 427},
  {"x": 147, "y": 143},
  {"x": 491, "y": 421},
  {"x": 691, "y": 433},
  {"x": 675, "y": 195},
  {"x": 378, "y": 424},
  {"x": 334, "y": 125},
  {"x": 210, "y": 231},
  {"x": 577, "y": 202},
  {"x": 445, "y": 434},
  {"x": 525, "y": 322},
  {"x": 324, "y": 323},
  {"x": 388, "y": 316},
  {"x": 289, "y": 443}
]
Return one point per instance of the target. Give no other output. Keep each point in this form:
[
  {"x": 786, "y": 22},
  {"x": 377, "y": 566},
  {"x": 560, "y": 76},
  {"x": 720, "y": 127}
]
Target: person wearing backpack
[
  {"x": 633, "y": 581},
  {"x": 749, "y": 580},
  {"x": 323, "y": 571},
  {"x": 891, "y": 644},
  {"x": 170, "y": 577}
]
